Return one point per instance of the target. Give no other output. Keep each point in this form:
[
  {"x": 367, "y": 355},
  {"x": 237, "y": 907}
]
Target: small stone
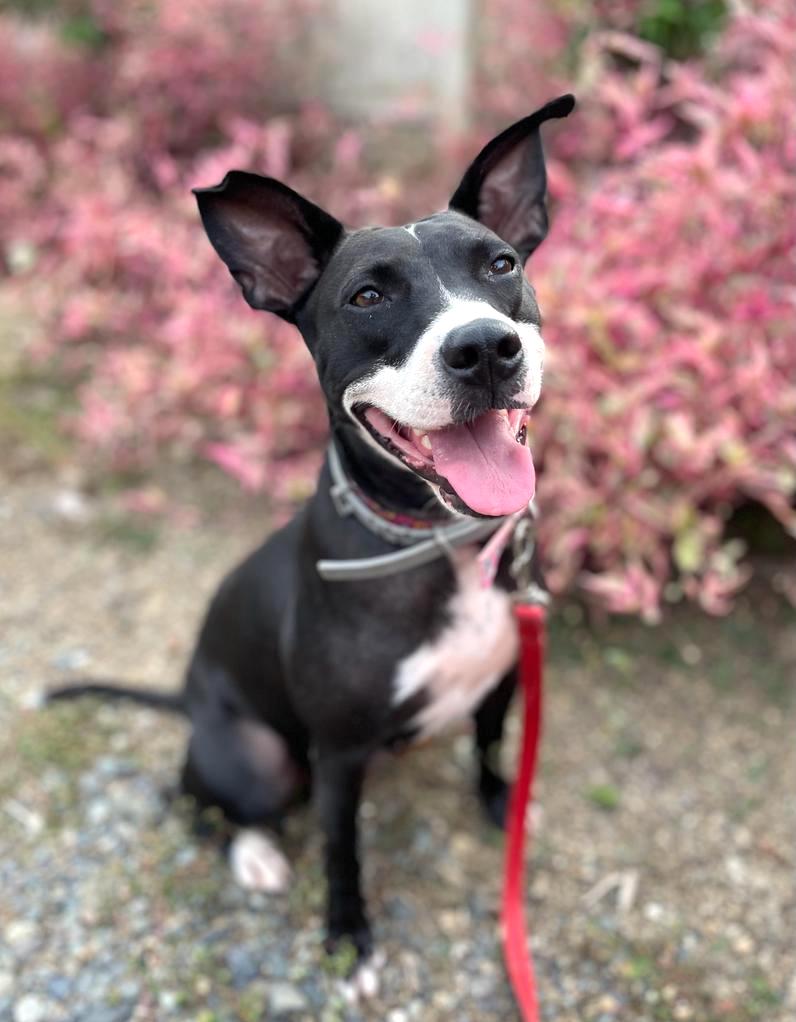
[
  {"x": 71, "y": 660},
  {"x": 99, "y": 810},
  {"x": 21, "y": 934},
  {"x": 243, "y": 966},
  {"x": 129, "y": 989},
  {"x": 32, "y": 821},
  {"x": 71, "y": 505},
  {"x": 453, "y": 921},
  {"x": 443, "y": 999},
  {"x": 186, "y": 856},
  {"x": 399, "y": 908},
  {"x": 108, "y": 1012},
  {"x": 284, "y": 997},
  {"x": 692, "y": 654},
  {"x": 113, "y": 766},
  {"x": 481, "y": 987},
  {"x": 168, "y": 1000},
  {"x": 203, "y": 986},
  {"x": 59, "y": 987},
  {"x": 31, "y": 1008}
]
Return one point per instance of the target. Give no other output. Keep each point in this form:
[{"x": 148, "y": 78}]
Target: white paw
[
  {"x": 363, "y": 985},
  {"x": 257, "y": 864}
]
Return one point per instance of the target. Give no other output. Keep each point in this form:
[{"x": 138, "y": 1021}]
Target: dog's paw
[
  {"x": 495, "y": 798},
  {"x": 257, "y": 864},
  {"x": 496, "y": 801},
  {"x": 364, "y": 982},
  {"x": 350, "y": 940}
]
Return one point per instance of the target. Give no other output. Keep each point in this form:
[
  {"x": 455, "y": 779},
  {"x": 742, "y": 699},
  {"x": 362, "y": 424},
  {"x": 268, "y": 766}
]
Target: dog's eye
[
  {"x": 366, "y": 297},
  {"x": 503, "y": 264}
]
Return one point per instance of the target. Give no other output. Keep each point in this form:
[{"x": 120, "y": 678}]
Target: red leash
[{"x": 516, "y": 951}]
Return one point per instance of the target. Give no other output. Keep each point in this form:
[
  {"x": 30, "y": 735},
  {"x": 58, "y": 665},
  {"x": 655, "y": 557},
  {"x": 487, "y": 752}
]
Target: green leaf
[
  {"x": 689, "y": 549},
  {"x": 604, "y": 796}
]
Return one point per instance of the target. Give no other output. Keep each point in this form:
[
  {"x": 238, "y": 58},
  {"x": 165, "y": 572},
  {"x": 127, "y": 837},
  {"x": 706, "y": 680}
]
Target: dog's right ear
[{"x": 274, "y": 241}]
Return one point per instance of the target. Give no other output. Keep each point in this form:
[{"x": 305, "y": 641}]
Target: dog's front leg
[
  {"x": 489, "y": 720},
  {"x": 338, "y": 787}
]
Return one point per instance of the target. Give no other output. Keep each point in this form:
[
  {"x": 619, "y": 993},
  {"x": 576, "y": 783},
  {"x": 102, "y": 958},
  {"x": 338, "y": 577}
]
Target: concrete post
[{"x": 406, "y": 56}]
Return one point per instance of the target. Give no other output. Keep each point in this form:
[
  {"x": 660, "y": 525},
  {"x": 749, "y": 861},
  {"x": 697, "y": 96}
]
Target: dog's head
[{"x": 426, "y": 337}]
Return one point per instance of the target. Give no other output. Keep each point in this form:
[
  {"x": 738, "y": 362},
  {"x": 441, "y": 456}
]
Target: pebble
[
  {"x": 107, "y": 1013},
  {"x": 21, "y": 934},
  {"x": 98, "y": 811},
  {"x": 71, "y": 660},
  {"x": 168, "y": 999},
  {"x": 114, "y": 766},
  {"x": 284, "y": 997},
  {"x": 31, "y": 1008},
  {"x": 244, "y": 966},
  {"x": 71, "y": 505},
  {"x": 59, "y": 987}
]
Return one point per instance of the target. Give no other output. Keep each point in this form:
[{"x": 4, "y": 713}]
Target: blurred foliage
[
  {"x": 667, "y": 281},
  {"x": 682, "y": 28}
]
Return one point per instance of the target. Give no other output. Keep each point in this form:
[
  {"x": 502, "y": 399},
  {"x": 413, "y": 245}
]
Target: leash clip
[
  {"x": 523, "y": 547},
  {"x": 532, "y": 595}
]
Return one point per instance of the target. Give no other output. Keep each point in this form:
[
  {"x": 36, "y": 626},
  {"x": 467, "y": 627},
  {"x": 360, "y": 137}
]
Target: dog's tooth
[{"x": 425, "y": 442}]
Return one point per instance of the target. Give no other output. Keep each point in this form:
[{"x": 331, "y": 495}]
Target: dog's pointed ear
[
  {"x": 504, "y": 187},
  {"x": 274, "y": 241}
]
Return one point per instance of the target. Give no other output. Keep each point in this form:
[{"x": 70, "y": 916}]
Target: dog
[{"x": 363, "y": 624}]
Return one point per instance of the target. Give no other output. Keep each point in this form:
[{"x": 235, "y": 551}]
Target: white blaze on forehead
[
  {"x": 412, "y": 229},
  {"x": 417, "y": 393}
]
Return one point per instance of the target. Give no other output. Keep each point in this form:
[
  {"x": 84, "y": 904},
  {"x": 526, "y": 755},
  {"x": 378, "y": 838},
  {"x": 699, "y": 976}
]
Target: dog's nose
[{"x": 483, "y": 352}]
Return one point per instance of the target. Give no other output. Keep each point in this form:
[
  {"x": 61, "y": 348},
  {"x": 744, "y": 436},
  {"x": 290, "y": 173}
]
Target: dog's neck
[{"x": 385, "y": 485}]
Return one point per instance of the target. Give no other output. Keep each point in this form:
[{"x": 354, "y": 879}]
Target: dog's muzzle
[{"x": 482, "y": 353}]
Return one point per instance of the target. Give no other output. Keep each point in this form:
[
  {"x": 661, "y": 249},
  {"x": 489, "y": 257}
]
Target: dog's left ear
[{"x": 504, "y": 187}]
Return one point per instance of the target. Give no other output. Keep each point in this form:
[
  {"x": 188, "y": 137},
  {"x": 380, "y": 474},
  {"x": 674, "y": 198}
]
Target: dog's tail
[{"x": 170, "y": 702}]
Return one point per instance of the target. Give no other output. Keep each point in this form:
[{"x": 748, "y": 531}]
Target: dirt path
[{"x": 662, "y": 880}]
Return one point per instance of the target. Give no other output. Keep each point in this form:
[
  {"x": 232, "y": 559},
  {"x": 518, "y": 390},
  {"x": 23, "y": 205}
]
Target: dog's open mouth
[{"x": 483, "y": 464}]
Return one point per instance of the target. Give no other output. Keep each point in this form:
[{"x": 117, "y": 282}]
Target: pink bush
[
  {"x": 667, "y": 281},
  {"x": 669, "y": 286},
  {"x": 97, "y": 213}
]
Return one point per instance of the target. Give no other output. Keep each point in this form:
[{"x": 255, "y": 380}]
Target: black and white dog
[{"x": 427, "y": 346}]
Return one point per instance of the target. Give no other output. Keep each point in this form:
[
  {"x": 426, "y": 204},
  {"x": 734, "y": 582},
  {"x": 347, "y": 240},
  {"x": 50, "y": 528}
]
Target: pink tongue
[{"x": 485, "y": 465}]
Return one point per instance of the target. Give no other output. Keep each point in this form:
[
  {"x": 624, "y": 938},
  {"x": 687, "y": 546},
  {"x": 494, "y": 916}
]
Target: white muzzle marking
[{"x": 417, "y": 392}]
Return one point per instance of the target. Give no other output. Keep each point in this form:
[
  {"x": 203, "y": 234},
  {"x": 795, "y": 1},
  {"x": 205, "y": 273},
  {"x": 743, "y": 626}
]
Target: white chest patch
[{"x": 467, "y": 659}]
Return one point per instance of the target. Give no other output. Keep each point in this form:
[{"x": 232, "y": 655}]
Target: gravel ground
[{"x": 661, "y": 884}]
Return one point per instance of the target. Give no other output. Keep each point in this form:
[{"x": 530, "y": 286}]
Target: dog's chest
[{"x": 456, "y": 669}]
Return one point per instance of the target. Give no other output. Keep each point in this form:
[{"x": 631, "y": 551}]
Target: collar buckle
[{"x": 340, "y": 492}]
